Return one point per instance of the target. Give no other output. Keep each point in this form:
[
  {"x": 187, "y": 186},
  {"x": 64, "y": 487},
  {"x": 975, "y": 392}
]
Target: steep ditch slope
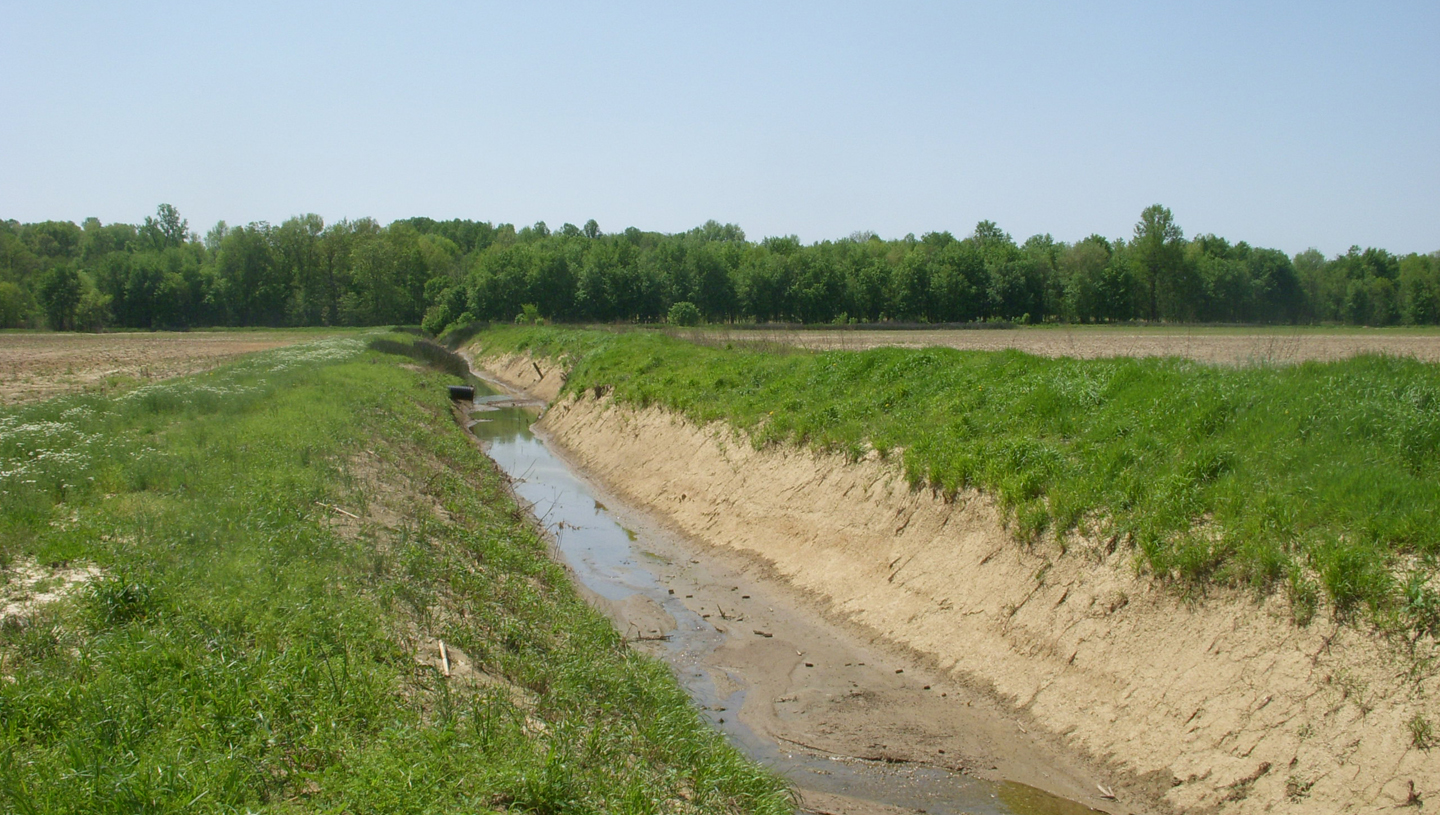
[{"x": 1219, "y": 704}]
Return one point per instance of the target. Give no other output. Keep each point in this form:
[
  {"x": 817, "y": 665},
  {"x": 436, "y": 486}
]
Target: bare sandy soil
[
  {"x": 26, "y": 587},
  {"x": 36, "y": 366},
  {"x": 837, "y": 692},
  {"x": 1216, "y": 345},
  {"x": 1217, "y": 705}
]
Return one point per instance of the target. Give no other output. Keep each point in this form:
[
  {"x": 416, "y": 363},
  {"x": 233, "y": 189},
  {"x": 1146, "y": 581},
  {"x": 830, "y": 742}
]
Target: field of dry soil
[
  {"x": 1217, "y": 345},
  {"x": 36, "y": 366}
]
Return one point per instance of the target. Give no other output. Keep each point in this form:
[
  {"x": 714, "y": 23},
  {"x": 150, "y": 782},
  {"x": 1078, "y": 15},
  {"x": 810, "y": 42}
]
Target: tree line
[{"x": 304, "y": 272}]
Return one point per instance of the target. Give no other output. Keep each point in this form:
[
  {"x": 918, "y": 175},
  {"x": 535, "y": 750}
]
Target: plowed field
[
  {"x": 1216, "y": 345},
  {"x": 38, "y": 366}
]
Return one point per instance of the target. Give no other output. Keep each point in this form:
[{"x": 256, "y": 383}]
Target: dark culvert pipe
[{"x": 462, "y": 392}]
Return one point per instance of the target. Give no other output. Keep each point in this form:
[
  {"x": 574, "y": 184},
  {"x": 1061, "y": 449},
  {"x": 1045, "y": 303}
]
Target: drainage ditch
[{"x": 623, "y": 569}]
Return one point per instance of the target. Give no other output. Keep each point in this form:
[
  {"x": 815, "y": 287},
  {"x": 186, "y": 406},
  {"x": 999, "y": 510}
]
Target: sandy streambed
[{"x": 1221, "y": 704}]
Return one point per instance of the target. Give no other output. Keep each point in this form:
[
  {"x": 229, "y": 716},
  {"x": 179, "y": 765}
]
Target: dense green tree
[
  {"x": 58, "y": 240},
  {"x": 93, "y": 311},
  {"x": 60, "y": 291},
  {"x": 713, "y": 231},
  {"x": 994, "y": 243},
  {"x": 551, "y": 287},
  {"x": 667, "y": 261},
  {"x": 910, "y": 299},
  {"x": 18, "y": 264},
  {"x": 1160, "y": 264},
  {"x": 1081, "y": 269},
  {"x": 297, "y": 250},
  {"x": 252, "y": 287},
  {"x": 817, "y": 288},
  {"x": 1317, "y": 295},
  {"x": 99, "y": 240},
  {"x": 15, "y": 307},
  {"x": 166, "y": 230},
  {"x": 213, "y": 238},
  {"x": 638, "y": 291},
  {"x": 500, "y": 282},
  {"x": 713, "y": 272},
  {"x": 594, "y": 297},
  {"x": 1045, "y": 251},
  {"x": 1017, "y": 290},
  {"x": 867, "y": 285},
  {"x": 1420, "y": 289},
  {"x": 141, "y": 301},
  {"x": 959, "y": 283},
  {"x": 762, "y": 283},
  {"x": 1279, "y": 298}
]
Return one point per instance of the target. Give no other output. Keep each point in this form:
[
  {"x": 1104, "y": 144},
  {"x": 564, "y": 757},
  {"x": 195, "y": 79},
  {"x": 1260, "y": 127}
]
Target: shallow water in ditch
[{"x": 611, "y": 562}]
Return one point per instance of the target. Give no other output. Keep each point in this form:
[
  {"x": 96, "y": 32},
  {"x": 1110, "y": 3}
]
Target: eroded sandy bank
[{"x": 1222, "y": 704}]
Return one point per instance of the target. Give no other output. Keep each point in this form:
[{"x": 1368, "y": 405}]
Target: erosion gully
[{"x": 645, "y": 577}]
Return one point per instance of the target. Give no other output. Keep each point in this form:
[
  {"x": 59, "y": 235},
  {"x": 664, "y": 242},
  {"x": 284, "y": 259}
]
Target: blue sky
[{"x": 1290, "y": 125}]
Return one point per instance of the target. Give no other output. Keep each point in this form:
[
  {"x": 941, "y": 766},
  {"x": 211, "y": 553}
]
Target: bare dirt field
[
  {"x": 37, "y": 366},
  {"x": 1225, "y": 346}
]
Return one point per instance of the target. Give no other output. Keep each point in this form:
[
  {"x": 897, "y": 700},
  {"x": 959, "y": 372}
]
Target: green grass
[
  {"x": 1323, "y": 478},
  {"x": 250, "y": 648},
  {"x": 1202, "y": 329}
]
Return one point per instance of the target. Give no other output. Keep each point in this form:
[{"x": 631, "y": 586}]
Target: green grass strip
[
  {"x": 247, "y": 647},
  {"x": 1320, "y": 477}
]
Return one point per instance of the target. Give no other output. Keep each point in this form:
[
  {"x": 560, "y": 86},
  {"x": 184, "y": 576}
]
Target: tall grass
[
  {"x": 248, "y": 646},
  {"x": 422, "y": 349},
  {"x": 1323, "y": 478}
]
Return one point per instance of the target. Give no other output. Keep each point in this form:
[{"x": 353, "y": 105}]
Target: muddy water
[{"x": 616, "y": 564}]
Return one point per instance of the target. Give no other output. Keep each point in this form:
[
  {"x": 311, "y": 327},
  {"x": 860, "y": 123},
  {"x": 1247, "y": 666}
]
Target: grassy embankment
[
  {"x": 280, "y": 543},
  {"x": 1322, "y": 478}
]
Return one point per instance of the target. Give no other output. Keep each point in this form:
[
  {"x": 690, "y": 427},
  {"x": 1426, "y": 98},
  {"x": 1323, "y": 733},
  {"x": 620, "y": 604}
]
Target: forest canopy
[{"x": 303, "y": 272}]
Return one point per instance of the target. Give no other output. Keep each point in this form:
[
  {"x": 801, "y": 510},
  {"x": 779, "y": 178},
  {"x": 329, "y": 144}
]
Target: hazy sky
[{"x": 1289, "y": 125}]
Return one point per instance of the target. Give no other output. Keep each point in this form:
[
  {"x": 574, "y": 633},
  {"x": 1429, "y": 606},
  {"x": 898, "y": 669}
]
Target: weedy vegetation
[
  {"x": 277, "y": 548},
  {"x": 1321, "y": 479}
]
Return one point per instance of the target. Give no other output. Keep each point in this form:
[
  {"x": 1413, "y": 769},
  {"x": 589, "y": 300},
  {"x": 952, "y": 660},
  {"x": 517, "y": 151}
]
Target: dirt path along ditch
[{"x": 857, "y": 726}]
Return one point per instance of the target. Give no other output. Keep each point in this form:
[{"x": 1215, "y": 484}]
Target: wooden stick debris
[
  {"x": 337, "y": 509},
  {"x": 444, "y": 657}
]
